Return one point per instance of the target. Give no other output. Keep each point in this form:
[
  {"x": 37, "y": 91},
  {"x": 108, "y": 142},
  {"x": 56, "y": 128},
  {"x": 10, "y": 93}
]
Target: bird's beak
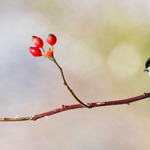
[{"x": 145, "y": 69}]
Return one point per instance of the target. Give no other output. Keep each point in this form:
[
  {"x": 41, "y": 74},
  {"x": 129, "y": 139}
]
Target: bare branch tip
[
  {"x": 62, "y": 106},
  {"x": 65, "y": 84},
  {"x": 17, "y": 116},
  {"x": 98, "y": 103},
  {"x": 31, "y": 118},
  {"x": 46, "y": 117},
  {"x": 102, "y": 103}
]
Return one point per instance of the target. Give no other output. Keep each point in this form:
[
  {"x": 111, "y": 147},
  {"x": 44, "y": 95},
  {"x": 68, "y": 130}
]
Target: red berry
[
  {"x": 37, "y": 41},
  {"x": 51, "y": 39},
  {"x": 35, "y": 51}
]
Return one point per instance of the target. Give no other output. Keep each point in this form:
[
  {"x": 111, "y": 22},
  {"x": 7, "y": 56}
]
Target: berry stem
[
  {"x": 43, "y": 49},
  {"x": 66, "y": 84}
]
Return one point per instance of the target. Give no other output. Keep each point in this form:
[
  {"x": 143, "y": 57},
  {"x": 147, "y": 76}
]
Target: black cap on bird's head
[{"x": 147, "y": 66}]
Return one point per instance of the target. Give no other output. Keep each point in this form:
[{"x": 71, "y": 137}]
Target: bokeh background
[{"x": 102, "y": 47}]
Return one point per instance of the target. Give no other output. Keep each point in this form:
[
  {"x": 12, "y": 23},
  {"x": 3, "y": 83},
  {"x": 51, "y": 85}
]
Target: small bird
[{"x": 147, "y": 66}]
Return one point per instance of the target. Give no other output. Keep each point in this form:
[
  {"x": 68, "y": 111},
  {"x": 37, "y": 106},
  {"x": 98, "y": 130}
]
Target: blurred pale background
[{"x": 102, "y": 47}]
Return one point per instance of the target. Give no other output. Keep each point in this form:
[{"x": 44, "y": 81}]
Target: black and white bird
[{"x": 147, "y": 66}]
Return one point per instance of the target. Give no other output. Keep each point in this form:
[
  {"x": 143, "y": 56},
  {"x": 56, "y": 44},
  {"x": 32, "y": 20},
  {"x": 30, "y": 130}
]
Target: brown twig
[
  {"x": 66, "y": 84},
  {"x": 76, "y": 106}
]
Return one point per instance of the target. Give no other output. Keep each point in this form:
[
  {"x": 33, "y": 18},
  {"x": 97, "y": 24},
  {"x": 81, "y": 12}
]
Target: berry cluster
[{"x": 36, "y": 52}]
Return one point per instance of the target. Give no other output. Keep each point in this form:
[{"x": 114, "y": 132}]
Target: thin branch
[
  {"x": 76, "y": 106},
  {"x": 66, "y": 84}
]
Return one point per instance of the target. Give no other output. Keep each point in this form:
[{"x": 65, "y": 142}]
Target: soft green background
[{"x": 102, "y": 47}]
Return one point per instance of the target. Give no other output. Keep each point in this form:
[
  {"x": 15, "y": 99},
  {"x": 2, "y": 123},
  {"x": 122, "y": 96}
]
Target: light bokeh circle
[{"x": 124, "y": 60}]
